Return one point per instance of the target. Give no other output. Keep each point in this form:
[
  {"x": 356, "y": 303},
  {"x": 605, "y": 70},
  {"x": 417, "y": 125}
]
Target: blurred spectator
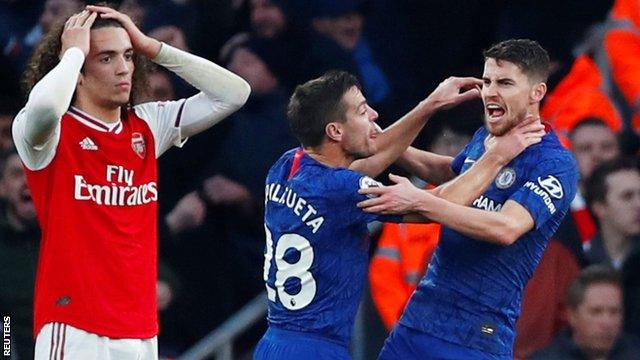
[
  {"x": 543, "y": 312},
  {"x": 7, "y": 113},
  {"x": 621, "y": 45},
  {"x": 336, "y": 40},
  {"x": 579, "y": 95},
  {"x": 603, "y": 81},
  {"x": 631, "y": 286},
  {"x": 257, "y": 135},
  {"x": 613, "y": 195},
  {"x": 400, "y": 261},
  {"x": 595, "y": 312},
  {"x": 592, "y": 142},
  {"x": 159, "y": 87},
  {"x": 339, "y": 25},
  {"x": 223, "y": 219},
  {"x": 168, "y": 290},
  {"x": 268, "y": 18},
  {"x": 211, "y": 24},
  {"x": 19, "y": 46},
  {"x": 19, "y": 240}
]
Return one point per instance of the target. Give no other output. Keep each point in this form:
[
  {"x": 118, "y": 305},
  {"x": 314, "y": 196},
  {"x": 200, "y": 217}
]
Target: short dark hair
[
  {"x": 527, "y": 54},
  {"x": 594, "y": 274},
  {"x": 589, "y": 121},
  {"x": 596, "y": 185},
  {"x": 316, "y": 103}
]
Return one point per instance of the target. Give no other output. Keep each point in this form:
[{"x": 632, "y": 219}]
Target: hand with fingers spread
[
  {"x": 453, "y": 91},
  {"x": 529, "y": 132},
  {"x": 396, "y": 199},
  {"x": 76, "y": 31},
  {"x": 142, "y": 44}
]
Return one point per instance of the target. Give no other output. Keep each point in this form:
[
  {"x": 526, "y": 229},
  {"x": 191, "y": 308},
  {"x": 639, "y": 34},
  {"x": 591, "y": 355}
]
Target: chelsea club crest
[{"x": 505, "y": 178}]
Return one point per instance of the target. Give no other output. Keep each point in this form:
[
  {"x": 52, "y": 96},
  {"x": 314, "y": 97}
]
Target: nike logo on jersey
[{"x": 88, "y": 144}]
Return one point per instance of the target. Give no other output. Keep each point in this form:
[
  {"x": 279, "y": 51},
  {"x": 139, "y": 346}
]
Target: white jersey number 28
[{"x": 285, "y": 270}]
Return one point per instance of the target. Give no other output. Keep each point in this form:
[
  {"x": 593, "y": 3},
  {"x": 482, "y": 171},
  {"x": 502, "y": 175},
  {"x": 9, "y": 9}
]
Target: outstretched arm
[
  {"x": 222, "y": 92},
  {"x": 397, "y": 137},
  {"x": 502, "y": 228}
]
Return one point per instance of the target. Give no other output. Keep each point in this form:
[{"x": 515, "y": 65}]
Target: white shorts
[{"x": 57, "y": 341}]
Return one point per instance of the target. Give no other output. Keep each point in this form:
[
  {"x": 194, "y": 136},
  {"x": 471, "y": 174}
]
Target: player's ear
[
  {"x": 538, "y": 91},
  {"x": 334, "y": 131}
]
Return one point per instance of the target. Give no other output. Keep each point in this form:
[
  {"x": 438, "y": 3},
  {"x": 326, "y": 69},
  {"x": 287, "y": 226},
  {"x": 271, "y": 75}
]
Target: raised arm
[
  {"x": 397, "y": 137},
  {"x": 222, "y": 92},
  {"x": 51, "y": 96},
  {"x": 501, "y": 228},
  {"x": 421, "y": 206},
  {"x": 37, "y": 123}
]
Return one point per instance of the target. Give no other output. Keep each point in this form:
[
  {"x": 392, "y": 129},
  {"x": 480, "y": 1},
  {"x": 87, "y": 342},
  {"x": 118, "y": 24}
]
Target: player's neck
[
  {"x": 328, "y": 155},
  {"x": 108, "y": 115},
  {"x": 534, "y": 110},
  {"x": 616, "y": 243}
]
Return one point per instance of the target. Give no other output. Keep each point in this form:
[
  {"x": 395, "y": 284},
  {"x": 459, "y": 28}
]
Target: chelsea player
[
  {"x": 316, "y": 236},
  {"x": 467, "y": 304}
]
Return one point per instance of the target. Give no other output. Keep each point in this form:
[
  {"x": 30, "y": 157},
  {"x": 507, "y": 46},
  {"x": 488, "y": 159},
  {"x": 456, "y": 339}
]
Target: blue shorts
[
  {"x": 294, "y": 345},
  {"x": 406, "y": 343}
]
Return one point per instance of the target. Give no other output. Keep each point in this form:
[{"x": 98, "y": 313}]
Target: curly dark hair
[{"x": 47, "y": 55}]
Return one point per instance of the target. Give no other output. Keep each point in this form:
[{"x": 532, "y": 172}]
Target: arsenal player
[{"x": 90, "y": 159}]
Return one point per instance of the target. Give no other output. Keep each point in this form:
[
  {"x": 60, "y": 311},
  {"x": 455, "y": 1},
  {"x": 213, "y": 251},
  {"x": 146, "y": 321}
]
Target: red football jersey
[{"x": 97, "y": 207}]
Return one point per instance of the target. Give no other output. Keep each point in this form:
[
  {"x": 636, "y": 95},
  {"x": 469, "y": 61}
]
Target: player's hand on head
[
  {"x": 76, "y": 31},
  {"x": 529, "y": 132},
  {"x": 454, "y": 91},
  {"x": 142, "y": 44},
  {"x": 395, "y": 199}
]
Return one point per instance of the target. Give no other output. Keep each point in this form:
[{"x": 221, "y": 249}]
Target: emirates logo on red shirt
[{"x": 138, "y": 145}]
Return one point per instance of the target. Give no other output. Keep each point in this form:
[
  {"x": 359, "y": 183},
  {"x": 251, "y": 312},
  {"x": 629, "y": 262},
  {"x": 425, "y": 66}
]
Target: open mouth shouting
[{"x": 494, "y": 112}]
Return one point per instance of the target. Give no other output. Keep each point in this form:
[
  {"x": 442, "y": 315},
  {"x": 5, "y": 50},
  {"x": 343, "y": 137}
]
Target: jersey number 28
[{"x": 286, "y": 270}]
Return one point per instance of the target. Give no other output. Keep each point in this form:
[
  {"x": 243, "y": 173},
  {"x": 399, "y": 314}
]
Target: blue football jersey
[
  {"x": 316, "y": 246},
  {"x": 472, "y": 290}
]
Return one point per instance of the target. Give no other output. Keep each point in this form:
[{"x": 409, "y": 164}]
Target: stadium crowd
[{"x": 584, "y": 297}]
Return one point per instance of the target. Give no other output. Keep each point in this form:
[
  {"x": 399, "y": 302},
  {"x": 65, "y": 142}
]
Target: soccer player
[
  {"x": 467, "y": 304},
  {"x": 90, "y": 160},
  {"x": 316, "y": 246}
]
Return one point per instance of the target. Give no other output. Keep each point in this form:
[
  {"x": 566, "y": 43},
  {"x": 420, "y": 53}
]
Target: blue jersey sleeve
[
  {"x": 346, "y": 188},
  {"x": 458, "y": 161},
  {"x": 549, "y": 188}
]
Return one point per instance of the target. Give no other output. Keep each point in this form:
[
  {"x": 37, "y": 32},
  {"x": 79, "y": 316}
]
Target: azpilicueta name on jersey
[{"x": 299, "y": 206}]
